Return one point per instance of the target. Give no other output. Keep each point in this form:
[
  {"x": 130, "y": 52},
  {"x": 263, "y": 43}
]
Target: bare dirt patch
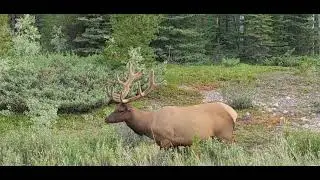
[{"x": 280, "y": 97}]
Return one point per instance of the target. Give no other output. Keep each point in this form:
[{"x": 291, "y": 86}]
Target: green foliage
[
  {"x": 164, "y": 95},
  {"x": 306, "y": 65},
  {"x": 230, "y": 61},
  {"x": 41, "y": 113},
  {"x": 131, "y": 31},
  {"x": 92, "y": 40},
  {"x": 223, "y": 33},
  {"x": 285, "y": 61},
  {"x": 238, "y": 97},
  {"x": 70, "y": 27},
  {"x": 211, "y": 75},
  {"x": 304, "y": 142},
  {"x": 316, "y": 106},
  {"x": 257, "y": 37},
  {"x": 5, "y": 36},
  {"x": 71, "y": 83},
  {"x": 105, "y": 146},
  {"x": 26, "y": 39},
  {"x": 299, "y": 29},
  {"x": 58, "y": 41},
  {"x": 180, "y": 41}
]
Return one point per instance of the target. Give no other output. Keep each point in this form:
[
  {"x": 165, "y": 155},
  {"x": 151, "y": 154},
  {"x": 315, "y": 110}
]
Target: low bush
[
  {"x": 238, "y": 97},
  {"x": 230, "y": 62}
]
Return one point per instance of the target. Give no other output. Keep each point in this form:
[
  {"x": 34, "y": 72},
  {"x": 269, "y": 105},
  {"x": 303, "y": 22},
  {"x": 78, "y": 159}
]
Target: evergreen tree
[
  {"x": 223, "y": 33},
  {"x": 93, "y": 39},
  {"x": 257, "y": 37},
  {"x": 280, "y": 35},
  {"x": 181, "y": 39},
  {"x": 299, "y": 28}
]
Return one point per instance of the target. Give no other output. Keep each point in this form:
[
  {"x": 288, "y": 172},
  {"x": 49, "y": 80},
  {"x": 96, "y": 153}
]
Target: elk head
[{"x": 123, "y": 110}]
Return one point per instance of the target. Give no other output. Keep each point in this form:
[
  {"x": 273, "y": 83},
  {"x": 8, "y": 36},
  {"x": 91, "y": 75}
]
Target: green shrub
[
  {"x": 5, "y": 35},
  {"x": 72, "y": 83},
  {"x": 26, "y": 40},
  {"x": 238, "y": 96},
  {"x": 285, "y": 61},
  {"x": 304, "y": 142},
  {"x": 58, "y": 41},
  {"x": 316, "y": 106},
  {"x": 131, "y": 31},
  {"x": 228, "y": 62},
  {"x": 306, "y": 65}
]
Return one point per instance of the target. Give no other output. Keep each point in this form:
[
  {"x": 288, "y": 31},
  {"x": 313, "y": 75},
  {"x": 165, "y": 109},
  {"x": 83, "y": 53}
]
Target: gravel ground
[{"x": 284, "y": 94}]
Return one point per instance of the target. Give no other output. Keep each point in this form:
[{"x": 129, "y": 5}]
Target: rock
[
  {"x": 306, "y": 126},
  {"x": 274, "y": 114},
  {"x": 269, "y": 109},
  {"x": 314, "y": 126},
  {"x": 304, "y": 119},
  {"x": 247, "y": 114},
  {"x": 288, "y": 97},
  {"x": 285, "y": 112},
  {"x": 294, "y": 124},
  {"x": 262, "y": 104},
  {"x": 276, "y": 105},
  {"x": 318, "y": 124}
]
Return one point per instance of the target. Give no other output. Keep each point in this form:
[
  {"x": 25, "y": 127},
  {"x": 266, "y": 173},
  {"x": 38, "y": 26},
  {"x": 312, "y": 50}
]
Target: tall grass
[{"x": 106, "y": 147}]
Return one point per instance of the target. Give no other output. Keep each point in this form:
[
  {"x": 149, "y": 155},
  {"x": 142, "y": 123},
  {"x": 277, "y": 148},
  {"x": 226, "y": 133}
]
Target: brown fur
[{"x": 173, "y": 126}]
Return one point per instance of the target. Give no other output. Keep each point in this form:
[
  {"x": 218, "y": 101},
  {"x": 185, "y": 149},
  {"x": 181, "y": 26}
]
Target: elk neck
[{"x": 140, "y": 122}]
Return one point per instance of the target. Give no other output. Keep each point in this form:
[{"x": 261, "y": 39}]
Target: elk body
[{"x": 172, "y": 126}]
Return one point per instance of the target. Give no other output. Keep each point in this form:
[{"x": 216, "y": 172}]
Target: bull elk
[{"x": 171, "y": 126}]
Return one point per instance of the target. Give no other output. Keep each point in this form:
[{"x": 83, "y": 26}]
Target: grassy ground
[{"x": 85, "y": 139}]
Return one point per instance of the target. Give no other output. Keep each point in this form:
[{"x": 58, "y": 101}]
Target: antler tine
[
  {"x": 132, "y": 76},
  {"x": 113, "y": 96},
  {"x": 141, "y": 93}
]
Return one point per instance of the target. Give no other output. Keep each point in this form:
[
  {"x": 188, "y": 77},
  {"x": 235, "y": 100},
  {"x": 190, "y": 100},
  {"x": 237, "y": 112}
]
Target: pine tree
[
  {"x": 280, "y": 35},
  {"x": 181, "y": 39},
  {"x": 257, "y": 37},
  {"x": 93, "y": 39},
  {"x": 299, "y": 28},
  {"x": 223, "y": 33}
]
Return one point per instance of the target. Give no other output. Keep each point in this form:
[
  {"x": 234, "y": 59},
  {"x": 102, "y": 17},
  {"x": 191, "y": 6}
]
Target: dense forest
[{"x": 176, "y": 38}]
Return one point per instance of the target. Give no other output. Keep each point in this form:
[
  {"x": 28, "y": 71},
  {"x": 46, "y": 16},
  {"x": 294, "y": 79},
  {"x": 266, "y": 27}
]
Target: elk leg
[{"x": 165, "y": 144}]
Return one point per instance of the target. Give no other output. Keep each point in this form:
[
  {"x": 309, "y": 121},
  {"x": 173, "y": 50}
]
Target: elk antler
[{"x": 120, "y": 98}]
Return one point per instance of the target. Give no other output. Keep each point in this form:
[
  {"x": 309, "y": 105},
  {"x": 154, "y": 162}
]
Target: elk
[{"x": 170, "y": 126}]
